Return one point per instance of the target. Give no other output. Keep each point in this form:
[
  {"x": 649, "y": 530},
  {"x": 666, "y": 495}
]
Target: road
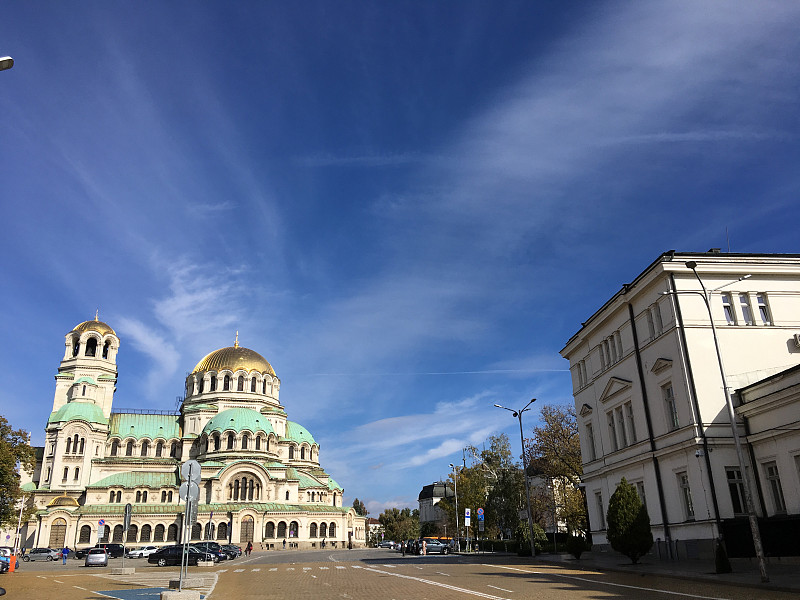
[{"x": 368, "y": 574}]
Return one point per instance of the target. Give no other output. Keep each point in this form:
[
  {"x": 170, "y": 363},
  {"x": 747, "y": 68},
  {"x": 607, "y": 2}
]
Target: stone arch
[
  {"x": 172, "y": 533},
  {"x": 91, "y": 347},
  {"x": 133, "y": 533},
  {"x": 282, "y": 529},
  {"x": 323, "y": 530},
  {"x": 58, "y": 533},
  {"x": 117, "y": 538},
  {"x": 146, "y": 533},
  {"x": 158, "y": 534},
  {"x": 247, "y": 529},
  {"x": 85, "y": 535},
  {"x": 197, "y": 531},
  {"x": 332, "y": 530},
  {"x": 222, "y": 531},
  {"x": 269, "y": 530},
  {"x": 312, "y": 530}
]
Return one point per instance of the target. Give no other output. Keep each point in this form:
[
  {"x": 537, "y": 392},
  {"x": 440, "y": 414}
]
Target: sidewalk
[{"x": 784, "y": 574}]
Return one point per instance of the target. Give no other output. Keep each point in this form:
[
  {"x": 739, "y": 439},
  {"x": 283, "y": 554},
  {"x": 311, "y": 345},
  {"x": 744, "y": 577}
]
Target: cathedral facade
[{"x": 261, "y": 478}]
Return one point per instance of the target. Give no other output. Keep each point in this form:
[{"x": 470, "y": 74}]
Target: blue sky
[{"x": 407, "y": 208}]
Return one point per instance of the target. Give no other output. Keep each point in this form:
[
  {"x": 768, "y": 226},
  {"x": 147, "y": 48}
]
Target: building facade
[
  {"x": 261, "y": 477},
  {"x": 651, "y": 404},
  {"x": 429, "y": 497}
]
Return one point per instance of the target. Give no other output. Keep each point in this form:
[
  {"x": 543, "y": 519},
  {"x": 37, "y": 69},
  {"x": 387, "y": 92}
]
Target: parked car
[
  {"x": 81, "y": 552},
  {"x": 141, "y": 551},
  {"x": 412, "y": 547},
  {"x": 212, "y": 548},
  {"x": 42, "y": 554},
  {"x": 172, "y": 555},
  {"x": 5, "y": 559},
  {"x": 233, "y": 550},
  {"x": 96, "y": 557},
  {"x": 434, "y": 546},
  {"x": 114, "y": 550},
  {"x": 386, "y": 544}
]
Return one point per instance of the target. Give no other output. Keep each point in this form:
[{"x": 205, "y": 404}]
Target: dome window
[
  {"x": 76, "y": 346},
  {"x": 240, "y": 384},
  {"x": 114, "y": 448},
  {"x": 245, "y": 441},
  {"x": 129, "y": 449},
  {"x": 213, "y": 387},
  {"x": 159, "y": 449},
  {"x": 253, "y": 385},
  {"x": 291, "y": 452},
  {"x": 226, "y": 383},
  {"x": 91, "y": 347},
  {"x": 106, "y": 347},
  {"x": 230, "y": 441}
]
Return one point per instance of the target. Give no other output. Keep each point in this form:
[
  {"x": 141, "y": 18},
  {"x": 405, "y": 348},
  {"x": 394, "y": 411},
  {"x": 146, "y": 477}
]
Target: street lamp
[
  {"x": 6, "y": 62},
  {"x": 748, "y": 496},
  {"x": 518, "y": 414},
  {"x": 458, "y": 531}
]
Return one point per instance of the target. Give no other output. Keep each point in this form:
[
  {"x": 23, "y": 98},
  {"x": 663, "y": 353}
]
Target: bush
[
  {"x": 628, "y": 529},
  {"x": 577, "y": 545},
  {"x": 524, "y": 537}
]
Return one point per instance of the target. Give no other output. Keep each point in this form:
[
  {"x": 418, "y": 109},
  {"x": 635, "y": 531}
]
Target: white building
[
  {"x": 651, "y": 404},
  {"x": 262, "y": 480},
  {"x": 429, "y": 498}
]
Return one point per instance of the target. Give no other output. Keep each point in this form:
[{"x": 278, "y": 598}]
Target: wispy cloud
[{"x": 365, "y": 160}]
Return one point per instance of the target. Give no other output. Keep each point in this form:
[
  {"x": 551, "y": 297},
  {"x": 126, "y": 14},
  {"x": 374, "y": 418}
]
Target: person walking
[
  {"x": 403, "y": 548},
  {"x": 64, "y": 554},
  {"x": 249, "y": 549},
  {"x": 424, "y": 548},
  {"x": 284, "y": 543}
]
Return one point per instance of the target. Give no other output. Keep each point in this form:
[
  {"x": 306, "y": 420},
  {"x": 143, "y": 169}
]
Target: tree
[
  {"x": 628, "y": 524},
  {"x": 15, "y": 456},
  {"x": 400, "y": 524},
  {"x": 359, "y": 507}
]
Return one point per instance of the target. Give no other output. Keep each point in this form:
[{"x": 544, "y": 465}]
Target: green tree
[
  {"x": 15, "y": 455},
  {"x": 628, "y": 524},
  {"x": 400, "y": 524},
  {"x": 359, "y": 507}
]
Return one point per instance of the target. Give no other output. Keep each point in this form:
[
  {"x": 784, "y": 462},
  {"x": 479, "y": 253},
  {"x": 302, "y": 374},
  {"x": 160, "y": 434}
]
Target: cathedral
[{"x": 261, "y": 478}]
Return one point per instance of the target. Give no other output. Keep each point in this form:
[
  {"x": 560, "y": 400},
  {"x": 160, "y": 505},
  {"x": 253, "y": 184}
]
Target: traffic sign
[
  {"x": 480, "y": 514},
  {"x": 190, "y": 490},
  {"x": 191, "y": 470},
  {"x": 466, "y": 517},
  {"x": 101, "y": 522},
  {"x": 191, "y": 511},
  {"x": 126, "y": 524}
]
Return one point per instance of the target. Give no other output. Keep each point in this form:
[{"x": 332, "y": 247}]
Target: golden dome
[
  {"x": 65, "y": 501},
  {"x": 95, "y": 325},
  {"x": 234, "y": 358}
]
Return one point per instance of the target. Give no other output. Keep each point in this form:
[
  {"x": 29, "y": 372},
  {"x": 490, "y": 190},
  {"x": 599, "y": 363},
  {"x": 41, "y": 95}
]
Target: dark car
[
  {"x": 114, "y": 550},
  {"x": 172, "y": 555},
  {"x": 412, "y": 547},
  {"x": 233, "y": 550},
  {"x": 81, "y": 552},
  {"x": 434, "y": 546},
  {"x": 212, "y": 548}
]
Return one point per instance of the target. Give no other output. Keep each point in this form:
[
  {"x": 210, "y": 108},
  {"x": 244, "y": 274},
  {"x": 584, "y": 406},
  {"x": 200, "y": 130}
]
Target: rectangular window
[
  {"x": 612, "y": 349},
  {"x": 747, "y": 314},
  {"x": 584, "y": 374},
  {"x": 763, "y": 309},
  {"x": 775, "y": 488},
  {"x": 657, "y": 320},
  {"x": 727, "y": 308},
  {"x": 590, "y": 441},
  {"x": 736, "y": 489},
  {"x": 623, "y": 438},
  {"x": 612, "y": 430},
  {"x": 630, "y": 422},
  {"x": 686, "y": 495},
  {"x": 671, "y": 407},
  {"x": 651, "y": 326},
  {"x": 618, "y": 341},
  {"x": 602, "y": 356},
  {"x": 640, "y": 491},
  {"x": 598, "y": 499}
]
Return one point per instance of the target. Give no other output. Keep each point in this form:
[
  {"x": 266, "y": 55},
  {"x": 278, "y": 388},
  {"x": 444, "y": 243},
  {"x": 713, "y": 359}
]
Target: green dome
[
  {"x": 239, "y": 419},
  {"x": 78, "y": 411},
  {"x": 298, "y": 433}
]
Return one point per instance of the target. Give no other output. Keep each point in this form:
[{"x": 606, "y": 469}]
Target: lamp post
[
  {"x": 748, "y": 496},
  {"x": 518, "y": 415},
  {"x": 458, "y": 530}
]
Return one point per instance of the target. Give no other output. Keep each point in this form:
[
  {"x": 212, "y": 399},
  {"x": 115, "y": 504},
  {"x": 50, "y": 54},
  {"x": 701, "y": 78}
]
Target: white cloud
[{"x": 162, "y": 353}]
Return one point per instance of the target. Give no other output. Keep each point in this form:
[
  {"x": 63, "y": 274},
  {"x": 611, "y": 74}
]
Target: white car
[{"x": 141, "y": 552}]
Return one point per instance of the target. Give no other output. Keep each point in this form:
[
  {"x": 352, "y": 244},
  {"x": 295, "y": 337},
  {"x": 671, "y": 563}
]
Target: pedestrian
[
  {"x": 284, "y": 543},
  {"x": 249, "y": 548},
  {"x": 64, "y": 554},
  {"x": 403, "y": 548},
  {"x": 323, "y": 542},
  {"x": 424, "y": 548}
]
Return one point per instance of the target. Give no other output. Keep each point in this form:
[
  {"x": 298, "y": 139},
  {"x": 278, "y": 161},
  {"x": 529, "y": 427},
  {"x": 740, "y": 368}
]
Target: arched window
[
  {"x": 145, "y": 535},
  {"x": 209, "y": 534},
  {"x": 222, "y": 531},
  {"x": 173, "y": 450},
  {"x": 111, "y": 497},
  {"x": 76, "y": 345},
  {"x": 144, "y": 496},
  {"x": 245, "y": 440},
  {"x": 114, "y": 448},
  {"x": 264, "y": 386},
  {"x": 158, "y": 535},
  {"x": 291, "y": 452},
  {"x": 226, "y": 383},
  {"x": 145, "y": 447},
  {"x": 119, "y": 496},
  {"x": 66, "y": 474},
  {"x": 332, "y": 530},
  {"x": 202, "y": 385},
  {"x": 75, "y": 444},
  {"x": 282, "y": 529},
  {"x": 197, "y": 531},
  {"x": 269, "y": 531},
  {"x": 258, "y": 442},
  {"x": 323, "y": 530},
  {"x": 240, "y": 384},
  {"x": 83, "y": 442},
  {"x": 77, "y": 473},
  {"x": 302, "y": 453},
  {"x": 312, "y": 530},
  {"x": 334, "y": 498},
  {"x": 169, "y": 496},
  {"x": 138, "y": 496},
  {"x": 230, "y": 441},
  {"x": 172, "y": 533},
  {"x": 252, "y": 384},
  {"x": 129, "y": 448},
  {"x": 91, "y": 347},
  {"x": 213, "y": 387},
  {"x": 83, "y": 392},
  {"x": 163, "y": 496},
  {"x": 69, "y": 445},
  {"x": 117, "y": 534},
  {"x": 159, "y": 449},
  {"x": 293, "y": 529},
  {"x": 236, "y": 490},
  {"x": 85, "y": 535},
  {"x": 287, "y": 494},
  {"x": 106, "y": 346},
  {"x": 133, "y": 533},
  {"x": 216, "y": 442}
]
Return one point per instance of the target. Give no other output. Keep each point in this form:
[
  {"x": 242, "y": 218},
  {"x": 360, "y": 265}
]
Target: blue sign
[
  {"x": 480, "y": 514},
  {"x": 101, "y": 522}
]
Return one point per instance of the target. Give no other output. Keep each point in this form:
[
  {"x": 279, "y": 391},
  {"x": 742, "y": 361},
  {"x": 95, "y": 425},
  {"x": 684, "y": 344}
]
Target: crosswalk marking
[
  {"x": 290, "y": 569},
  {"x": 341, "y": 567},
  {"x": 306, "y": 568},
  {"x": 274, "y": 569},
  {"x": 238, "y": 570},
  {"x": 323, "y": 568},
  {"x": 255, "y": 570},
  {"x": 222, "y": 571}
]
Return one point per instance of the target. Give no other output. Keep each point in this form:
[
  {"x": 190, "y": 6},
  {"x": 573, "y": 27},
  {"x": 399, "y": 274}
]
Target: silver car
[
  {"x": 97, "y": 557},
  {"x": 42, "y": 554}
]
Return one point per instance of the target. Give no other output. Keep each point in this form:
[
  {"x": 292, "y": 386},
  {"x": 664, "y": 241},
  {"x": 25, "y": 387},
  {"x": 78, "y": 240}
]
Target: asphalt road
[{"x": 372, "y": 574}]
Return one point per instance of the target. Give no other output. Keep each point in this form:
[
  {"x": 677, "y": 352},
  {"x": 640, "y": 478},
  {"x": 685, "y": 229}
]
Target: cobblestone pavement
[{"x": 374, "y": 574}]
